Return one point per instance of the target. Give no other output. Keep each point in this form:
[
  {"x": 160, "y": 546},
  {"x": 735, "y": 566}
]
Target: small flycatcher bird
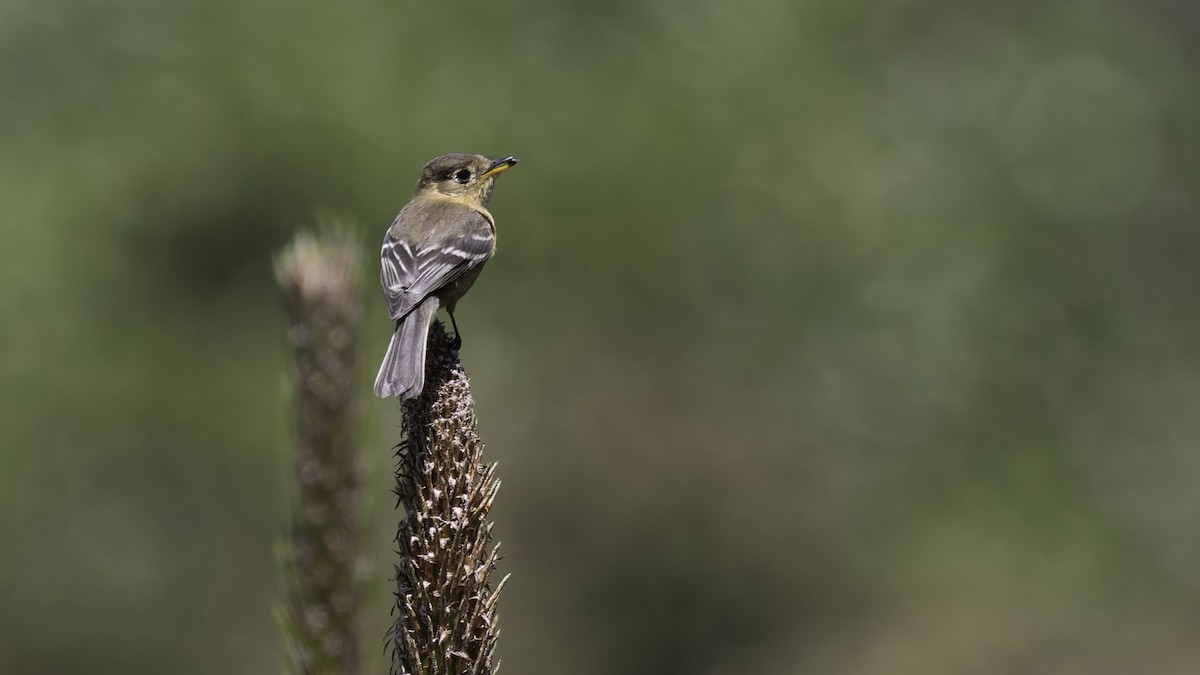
[{"x": 431, "y": 255}]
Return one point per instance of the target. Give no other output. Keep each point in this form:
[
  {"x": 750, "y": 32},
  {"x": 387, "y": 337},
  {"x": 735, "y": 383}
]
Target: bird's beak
[{"x": 499, "y": 165}]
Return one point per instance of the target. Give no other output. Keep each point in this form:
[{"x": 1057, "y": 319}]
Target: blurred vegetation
[
  {"x": 321, "y": 561},
  {"x": 824, "y": 336}
]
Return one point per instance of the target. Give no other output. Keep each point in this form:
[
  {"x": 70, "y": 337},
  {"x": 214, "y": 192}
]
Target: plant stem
[
  {"x": 445, "y": 606},
  {"x": 321, "y": 278}
]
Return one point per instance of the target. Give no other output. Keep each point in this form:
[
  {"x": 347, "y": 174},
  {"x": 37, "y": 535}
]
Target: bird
[{"x": 431, "y": 254}]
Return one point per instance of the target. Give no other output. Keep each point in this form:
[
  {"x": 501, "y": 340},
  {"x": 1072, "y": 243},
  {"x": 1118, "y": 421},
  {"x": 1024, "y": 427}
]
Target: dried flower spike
[{"x": 445, "y": 607}]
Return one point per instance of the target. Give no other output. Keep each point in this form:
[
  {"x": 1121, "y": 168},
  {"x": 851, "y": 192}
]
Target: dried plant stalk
[
  {"x": 445, "y": 607},
  {"x": 321, "y": 277}
]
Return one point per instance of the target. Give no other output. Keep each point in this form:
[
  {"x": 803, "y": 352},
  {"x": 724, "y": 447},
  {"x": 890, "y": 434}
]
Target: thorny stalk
[{"x": 445, "y": 606}]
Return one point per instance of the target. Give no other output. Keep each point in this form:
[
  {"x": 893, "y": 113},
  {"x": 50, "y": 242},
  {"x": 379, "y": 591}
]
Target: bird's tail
[{"x": 402, "y": 373}]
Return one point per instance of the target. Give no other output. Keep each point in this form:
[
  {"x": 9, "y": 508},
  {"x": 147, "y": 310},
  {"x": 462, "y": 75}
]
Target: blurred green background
[{"x": 824, "y": 336}]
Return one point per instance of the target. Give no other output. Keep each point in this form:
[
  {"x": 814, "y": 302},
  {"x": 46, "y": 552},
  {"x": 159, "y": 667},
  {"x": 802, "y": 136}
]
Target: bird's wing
[{"x": 415, "y": 267}]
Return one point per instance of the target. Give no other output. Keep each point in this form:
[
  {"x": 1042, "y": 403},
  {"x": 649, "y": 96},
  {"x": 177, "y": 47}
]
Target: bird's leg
[{"x": 456, "y": 343}]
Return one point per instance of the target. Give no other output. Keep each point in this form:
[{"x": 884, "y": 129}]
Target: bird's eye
[{"x": 462, "y": 176}]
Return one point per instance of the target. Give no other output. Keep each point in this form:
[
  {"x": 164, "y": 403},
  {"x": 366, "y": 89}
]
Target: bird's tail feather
[{"x": 402, "y": 372}]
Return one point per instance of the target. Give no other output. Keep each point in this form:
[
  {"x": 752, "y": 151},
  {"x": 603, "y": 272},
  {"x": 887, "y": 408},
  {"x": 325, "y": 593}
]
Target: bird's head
[{"x": 463, "y": 177}]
